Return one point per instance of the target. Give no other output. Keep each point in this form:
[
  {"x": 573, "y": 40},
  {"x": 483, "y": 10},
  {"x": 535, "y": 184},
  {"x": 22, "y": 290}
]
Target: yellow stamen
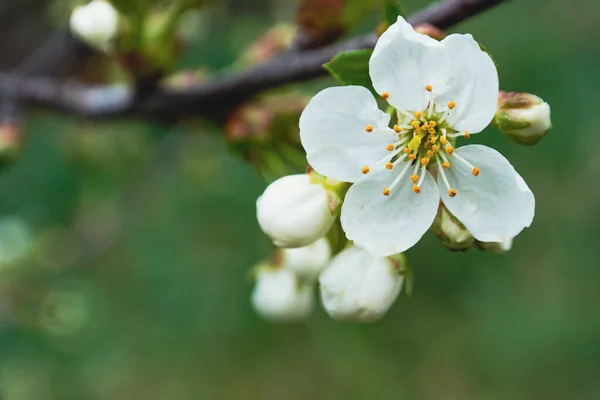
[
  {"x": 430, "y": 153},
  {"x": 397, "y": 129},
  {"x": 416, "y": 189},
  {"x": 429, "y": 88},
  {"x": 386, "y": 191},
  {"x": 418, "y": 114},
  {"x": 406, "y": 150},
  {"x": 369, "y": 128},
  {"x": 446, "y": 165},
  {"x": 451, "y": 192},
  {"x": 432, "y": 124},
  {"x": 435, "y": 148},
  {"x": 389, "y": 165},
  {"x": 451, "y": 105},
  {"x": 476, "y": 171},
  {"x": 431, "y": 130},
  {"x": 385, "y": 95},
  {"x": 412, "y": 157},
  {"x": 424, "y": 161},
  {"x": 427, "y": 145},
  {"x": 414, "y": 178},
  {"x": 467, "y": 135},
  {"x": 390, "y": 147},
  {"x": 443, "y": 140},
  {"x": 365, "y": 170},
  {"x": 450, "y": 150},
  {"x": 414, "y": 124}
]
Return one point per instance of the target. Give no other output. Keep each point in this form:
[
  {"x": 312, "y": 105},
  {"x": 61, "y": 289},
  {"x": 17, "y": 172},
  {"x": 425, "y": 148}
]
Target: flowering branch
[{"x": 214, "y": 99}]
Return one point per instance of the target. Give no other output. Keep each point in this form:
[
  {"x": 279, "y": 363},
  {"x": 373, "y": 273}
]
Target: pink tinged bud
[{"x": 523, "y": 117}]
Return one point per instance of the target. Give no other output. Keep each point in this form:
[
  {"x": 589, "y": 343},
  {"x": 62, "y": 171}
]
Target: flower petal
[
  {"x": 494, "y": 206},
  {"x": 386, "y": 225},
  {"x": 332, "y": 131},
  {"x": 468, "y": 77},
  {"x": 402, "y": 63}
]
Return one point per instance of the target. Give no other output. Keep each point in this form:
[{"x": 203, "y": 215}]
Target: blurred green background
[{"x": 138, "y": 239}]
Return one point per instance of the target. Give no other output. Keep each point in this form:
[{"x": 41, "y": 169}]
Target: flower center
[{"x": 425, "y": 139}]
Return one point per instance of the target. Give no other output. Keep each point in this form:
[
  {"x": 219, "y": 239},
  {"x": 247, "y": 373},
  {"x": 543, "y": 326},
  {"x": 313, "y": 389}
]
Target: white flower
[
  {"x": 358, "y": 286},
  {"x": 442, "y": 91},
  {"x": 308, "y": 261},
  {"x": 278, "y": 296},
  {"x": 294, "y": 212},
  {"x": 96, "y": 24}
]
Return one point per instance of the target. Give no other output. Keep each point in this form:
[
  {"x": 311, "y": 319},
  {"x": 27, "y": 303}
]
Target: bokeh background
[{"x": 125, "y": 247}]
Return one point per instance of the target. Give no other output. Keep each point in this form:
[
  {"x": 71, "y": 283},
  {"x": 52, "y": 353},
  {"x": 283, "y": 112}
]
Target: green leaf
[
  {"x": 352, "y": 68},
  {"x": 390, "y": 10}
]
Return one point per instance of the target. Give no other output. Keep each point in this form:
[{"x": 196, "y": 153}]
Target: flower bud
[
  {"x": 358, "y": 286},
  {"x": 96, "y": 24},
  {"x": 294, "y": 212},
  {"x": 277, "y": 295},
  {"x": 431, "y": 31},
  {"x": 496, "y": 247},
  {"x": 307, "y": 262},
  {"x": 451, "y": 232},
  {"x": 523, "y": 117}
]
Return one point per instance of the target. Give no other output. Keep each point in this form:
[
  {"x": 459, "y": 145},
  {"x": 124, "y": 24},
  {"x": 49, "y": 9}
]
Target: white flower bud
[
  {"x": 524, "y": 117},
  {"x": 358, "y": 286},
  {"x": 307, "y": 262},
  {"x": 496, "y": 247},
  {"x": 294, "y": 212},
  {"x": 451, "y": 231},
  {"x": 95, "y": 24},
  {"x": 277, "y": 295}
]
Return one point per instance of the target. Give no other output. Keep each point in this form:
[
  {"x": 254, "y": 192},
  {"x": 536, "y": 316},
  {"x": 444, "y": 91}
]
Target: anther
[
  {"x": 416, "y": 189},
  {"x": 435, "y": 148},
  {"x": 450, "y": 150},
  {"x": 424, "y": 161},
  {"x": 406, "y": 150},
  {"x": 446, "y": 165},
  {"x": 389, "y": 165},
  {"x": 451, "y": 105},
  {"x": 443, "y": 140},
  {"x": 414, "y": 178},
  {"x": 467, "y": 135},
  {"x": 385, "y": 95},
  {"x": 476, "y": 171},
  {"x": 365, "y": 170},
  {"x": 386, "y": 191},
  {"x": 418, "y": 114},
  {"x": 431, "y": 131},
  {"x": 429, "y": 88},
  {"x": 432, "y": 124},
  {"x": 412, "y": 157},
  {"x": 451, "y": 192},
  {"x": 390, "y": 147},
  {"x": 397, "y": 129},
  {"x": 369, "y": 128},
  {"x": 414, "y": 124},
  {"x": 430, "y": 153}
]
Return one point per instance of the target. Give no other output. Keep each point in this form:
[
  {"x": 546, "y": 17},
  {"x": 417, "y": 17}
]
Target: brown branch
[{"x": 216, "y": 98}]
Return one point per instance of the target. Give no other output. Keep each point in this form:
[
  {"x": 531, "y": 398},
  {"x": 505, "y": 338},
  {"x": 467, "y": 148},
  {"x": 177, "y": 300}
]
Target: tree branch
[{"x": 216, "y": 98}]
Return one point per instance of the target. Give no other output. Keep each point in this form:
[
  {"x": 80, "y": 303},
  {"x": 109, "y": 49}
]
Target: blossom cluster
[{"x": 403, "y": 168}]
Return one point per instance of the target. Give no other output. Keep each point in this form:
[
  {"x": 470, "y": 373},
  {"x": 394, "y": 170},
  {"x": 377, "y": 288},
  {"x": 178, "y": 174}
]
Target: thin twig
[{"x": 216, "y": 98}]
